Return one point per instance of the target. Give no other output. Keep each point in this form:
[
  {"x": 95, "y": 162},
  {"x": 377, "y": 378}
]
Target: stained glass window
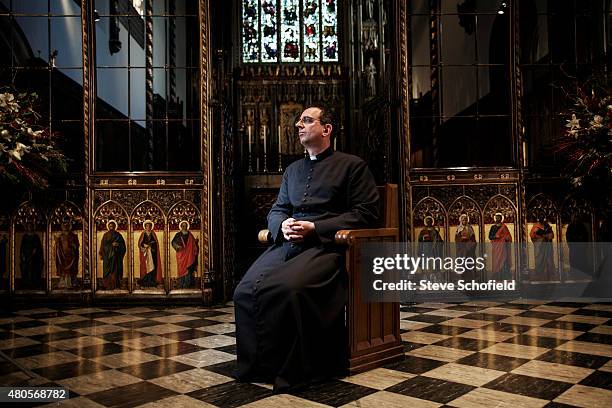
[{"x": 289, "y": 31}]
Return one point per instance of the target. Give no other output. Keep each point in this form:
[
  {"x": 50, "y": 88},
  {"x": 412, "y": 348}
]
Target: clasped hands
[{"x": 297, "y": 231}]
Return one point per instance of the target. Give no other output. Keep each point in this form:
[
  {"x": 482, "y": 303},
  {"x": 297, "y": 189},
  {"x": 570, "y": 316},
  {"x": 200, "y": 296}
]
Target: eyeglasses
[{"x": 307, "y": 120}]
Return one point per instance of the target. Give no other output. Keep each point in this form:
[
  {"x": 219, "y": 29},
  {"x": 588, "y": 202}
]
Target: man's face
[
  {"x": 111, "y": 226},
  {"x": 148, "y": 227},
  {"x": 497, "y": 219},
  {"x": 463, "y": 221},
  {"x": 310, "y": 129},
  {"x": 183, "y": 227},
  {"x": 428, "y": 222}
]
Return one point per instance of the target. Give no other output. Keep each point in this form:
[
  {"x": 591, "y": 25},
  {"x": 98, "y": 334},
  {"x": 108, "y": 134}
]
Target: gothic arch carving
[
  {"x": 575, "y": 205},
  {"x": 542, "y": 205},
  {"x": 183, "y": 211},
  {"x": 66, "y": 211},
  {"x": 148, "y": 210},
  {"x": 27, "y": 213},
  {"x": 429, "y": 207},
  {"x": 502, "y": 205},
  {"x": 110, "y": 210},
  {"x": 464, "y": 205}
]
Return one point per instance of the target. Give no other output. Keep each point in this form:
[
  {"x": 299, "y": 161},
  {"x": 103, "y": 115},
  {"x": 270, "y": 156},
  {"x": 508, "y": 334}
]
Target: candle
[
  {"x": 265, "y": 129},
  {"x": 250, "y": 140},
  {"x": 279, "y": 140},
  {"x": 335, "y": 140}
]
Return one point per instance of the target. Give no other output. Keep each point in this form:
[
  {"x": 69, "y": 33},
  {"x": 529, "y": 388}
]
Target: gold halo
[
  {"x": 500, "y": 214},
  {"x": 114, "y": 222},
  {"x": 464, "y": 214},
  {"x": 145, "y": 222},
  {"x": 432, "y": 219},
  {"x": 184, "y": 222}
]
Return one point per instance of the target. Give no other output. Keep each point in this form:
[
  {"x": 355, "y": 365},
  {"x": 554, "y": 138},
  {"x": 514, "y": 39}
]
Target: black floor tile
[
  {"x": 99, "y": 350},
  {"x": 231, "y": 349},
  {"x": 69, "y": 370},
  {"x": 442, "y": 329},
  {"x": 28, "y": 351},
  {"x": 540, "y": 315},
  {"x": 62, "y": 335},
  {"x": 122, "y": 335},
  {"x": 484, "y": 316},
  {"x": 595, "y": 338},
  {"x": 333, "y": 392},
  {"x": 508, "y": 328},
  {"x": 26, "y": 324},
  {"x": 205, "y": 313},
  {"x": 155, "y": 369},
  {"x": 131, "y": 395},
  {"x": 529, "y": 386},
  {"x": 558, "y": 324},
  {"x": 567, "y": 304},
  {"x": 100, "y": 315},
  {"x": 592, "y": 312},
  {"x": 492, "y": 361},
  {"x": 47, "y": 315},
  {"x": 431, "y": 389},
  {"x": 414, "y": 365},
  {"x": 188, "y": 334},
  {"x": 536, "y": 341},
  {"x": 227, "y": 368},
  {"x": 467, "y": 308},
  {"x": 465, "y": 343},
  {"x": 231, "y": 394},
  {"x": 429, "y": 318},
  {"x": 599, "y": 379},
  {"x": 172, "y": 349},
  {"x": 78, "y": 325},
  {"x": 139, "y": 324},
  {"x": 575, "y": 359},
  {"x": 154, "y": 313},
  {"x": 197, "y": 323}
]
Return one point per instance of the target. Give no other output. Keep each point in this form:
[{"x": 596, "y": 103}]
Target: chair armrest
[
  {"x": 264, "y": 236},
  {"x": 348, "y": 237}
]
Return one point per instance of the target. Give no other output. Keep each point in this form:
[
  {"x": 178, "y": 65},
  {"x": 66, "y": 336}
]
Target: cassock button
[
  {"x": 307, "y": 185},
  {"x": 311, "y": 170},
  {"x": 261, "y": 275},
  {"x": 305, "y": 194},
  {"x": 309, "y": 177},
  {"x": 257, "y": 281}
]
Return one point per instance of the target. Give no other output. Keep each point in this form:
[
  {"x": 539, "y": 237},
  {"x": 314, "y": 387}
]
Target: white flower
[
  {"x": 7, "y": 100},
  {"x": 34, "y": 133},
  {"x": 597, "y": 122},
  {"x": 573, "y": 123},
  {"x": 19, "y": 151}
]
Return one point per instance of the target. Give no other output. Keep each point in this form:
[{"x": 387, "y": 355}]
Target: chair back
[{"x": 389, "y": 217}]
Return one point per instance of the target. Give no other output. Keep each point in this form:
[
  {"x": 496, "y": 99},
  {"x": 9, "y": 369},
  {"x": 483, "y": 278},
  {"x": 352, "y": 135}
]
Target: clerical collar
[{"x": 325, "y": 153}]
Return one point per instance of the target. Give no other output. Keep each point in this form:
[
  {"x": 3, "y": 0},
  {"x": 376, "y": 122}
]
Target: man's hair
[{"x": 327, "y": 115}]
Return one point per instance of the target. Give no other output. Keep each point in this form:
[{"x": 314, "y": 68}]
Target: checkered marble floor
[{"x": 481, "y": 354}]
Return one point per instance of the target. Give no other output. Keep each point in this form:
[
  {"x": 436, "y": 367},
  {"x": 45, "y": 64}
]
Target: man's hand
[
  {"x": 300, "y": 230},
  {"x": 286, "y": 228}
]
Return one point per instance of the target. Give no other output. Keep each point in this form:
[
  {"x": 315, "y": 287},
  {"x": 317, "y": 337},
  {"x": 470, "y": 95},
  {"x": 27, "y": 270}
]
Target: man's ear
[{"x": 327, "y": 129}]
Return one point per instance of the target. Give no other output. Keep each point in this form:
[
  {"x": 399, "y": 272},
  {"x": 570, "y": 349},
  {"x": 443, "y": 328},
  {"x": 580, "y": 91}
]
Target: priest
[{"x": 290, "y": 303}]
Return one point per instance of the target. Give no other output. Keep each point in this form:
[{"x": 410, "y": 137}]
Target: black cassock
[{"x": 290, "y": 303}]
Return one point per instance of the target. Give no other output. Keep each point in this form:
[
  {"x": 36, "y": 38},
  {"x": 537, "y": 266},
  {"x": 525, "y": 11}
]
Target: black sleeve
[{"x": 281, "y": 210}]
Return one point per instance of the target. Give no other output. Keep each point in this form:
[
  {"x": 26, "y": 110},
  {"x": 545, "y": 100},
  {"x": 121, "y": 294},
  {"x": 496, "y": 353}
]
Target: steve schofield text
[{"x": 431, "y": 269}]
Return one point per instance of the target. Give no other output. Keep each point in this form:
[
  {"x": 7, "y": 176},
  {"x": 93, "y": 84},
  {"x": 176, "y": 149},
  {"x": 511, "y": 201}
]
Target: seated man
[{"x": 290, "y": 303}]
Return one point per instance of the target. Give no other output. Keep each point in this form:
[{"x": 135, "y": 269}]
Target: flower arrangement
[
  {"x": 587, "y": 138},
  {"x": 28, "y": 151}
]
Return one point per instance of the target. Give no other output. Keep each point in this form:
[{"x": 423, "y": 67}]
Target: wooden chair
[{"x": 373, "y": 328}]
